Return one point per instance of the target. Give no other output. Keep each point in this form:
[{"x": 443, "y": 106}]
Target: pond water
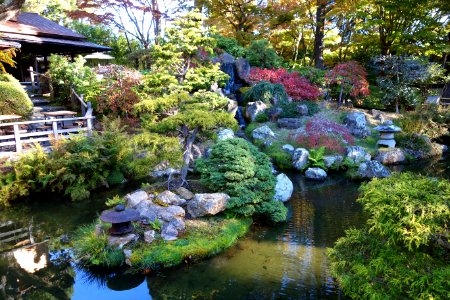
[{"x": 280, "y": 262}]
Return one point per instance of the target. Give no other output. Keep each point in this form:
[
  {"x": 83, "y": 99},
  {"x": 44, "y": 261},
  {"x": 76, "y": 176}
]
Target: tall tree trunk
[
  {"x": 189, "y": 139},
  {"x": 156, "y": 21},
  {"x": 319, "y": 34}
]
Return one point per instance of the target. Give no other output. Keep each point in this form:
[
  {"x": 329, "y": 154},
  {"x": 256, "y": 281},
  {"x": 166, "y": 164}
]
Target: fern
[{"x": 316, "y": 158}]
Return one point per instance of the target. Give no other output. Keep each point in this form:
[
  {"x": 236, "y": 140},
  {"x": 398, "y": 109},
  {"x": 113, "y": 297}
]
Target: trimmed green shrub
[
  {"x": 266, "y": 92},
  {"x": 262, "y": 118},
  {"x": 5, "y": 77},
  {"x": 402, "y": 252},
  {"x": 314, "y": 75},
  {"x": 229, "y": 45},
  {"x": 237, "y": 168},
  {"x": 290, "y": 108},
  {"x": 14, "y": 100},
  {"x": 261, "y": 54}
]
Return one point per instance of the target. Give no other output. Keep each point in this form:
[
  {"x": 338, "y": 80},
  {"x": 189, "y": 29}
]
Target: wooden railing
[
  {"x": 75, "y": 98},
  {"x": 19, "y": 138}
]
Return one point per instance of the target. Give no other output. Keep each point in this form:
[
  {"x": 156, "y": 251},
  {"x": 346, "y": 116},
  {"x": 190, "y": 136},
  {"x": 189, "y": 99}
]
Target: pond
[{"x": 280, "y": 262}]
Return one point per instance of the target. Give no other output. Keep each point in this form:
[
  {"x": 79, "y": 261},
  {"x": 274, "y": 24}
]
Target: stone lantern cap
[
  {"x": 388, "y": 126},
  {"x": 119, "y": 214}
]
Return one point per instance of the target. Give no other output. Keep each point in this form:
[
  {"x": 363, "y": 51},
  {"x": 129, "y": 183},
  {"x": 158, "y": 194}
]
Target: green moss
[
  {"x": 14, "y": 100},
  {"x": 203, "y": 239}
]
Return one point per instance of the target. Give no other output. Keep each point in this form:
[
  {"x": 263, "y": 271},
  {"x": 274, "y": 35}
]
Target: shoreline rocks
[{"x": 283, "y": 188}]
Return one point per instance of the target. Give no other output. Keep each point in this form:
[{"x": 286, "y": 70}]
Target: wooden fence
[{"x": 35, "y": 134}]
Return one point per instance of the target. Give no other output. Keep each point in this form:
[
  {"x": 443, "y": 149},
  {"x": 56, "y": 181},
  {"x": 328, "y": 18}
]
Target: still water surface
[{"x": 281, "y": 262}]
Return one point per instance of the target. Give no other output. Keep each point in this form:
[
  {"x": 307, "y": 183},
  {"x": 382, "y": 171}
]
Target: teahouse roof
[{"x": 41, "y": 36}]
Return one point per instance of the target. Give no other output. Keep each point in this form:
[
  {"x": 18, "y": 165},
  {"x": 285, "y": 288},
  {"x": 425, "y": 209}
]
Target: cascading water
[{"x": 240, "y": 117}]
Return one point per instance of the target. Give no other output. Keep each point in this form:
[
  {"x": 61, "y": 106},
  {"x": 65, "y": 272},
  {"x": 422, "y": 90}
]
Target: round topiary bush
[
  {"x": 9, "y": 78},
  {"x": 237, "y": 168},
  {"x": 14, "y": 100}
]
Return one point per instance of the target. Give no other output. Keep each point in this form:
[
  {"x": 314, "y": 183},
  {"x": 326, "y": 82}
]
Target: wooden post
[
  {"x": 83, "y": 109},
  {"x": 31, "y": 77},
  {"x": 17, "y": 138},
  {"x": 55, "y": 128},
  {"x": 89, "y": 125}
]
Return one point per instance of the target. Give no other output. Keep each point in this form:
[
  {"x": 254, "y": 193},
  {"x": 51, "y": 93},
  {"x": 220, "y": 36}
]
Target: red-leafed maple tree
[
  {"x": 296, "y": 86},
  {"x": 351, "y": 79}
]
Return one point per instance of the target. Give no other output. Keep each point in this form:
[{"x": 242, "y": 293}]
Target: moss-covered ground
[{"x": 203, "y": 238}]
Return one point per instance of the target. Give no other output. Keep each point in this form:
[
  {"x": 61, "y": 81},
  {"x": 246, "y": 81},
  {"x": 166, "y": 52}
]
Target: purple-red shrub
[
  {"x": 319, "y": 132},
  {"x": 296, "y": 86}
]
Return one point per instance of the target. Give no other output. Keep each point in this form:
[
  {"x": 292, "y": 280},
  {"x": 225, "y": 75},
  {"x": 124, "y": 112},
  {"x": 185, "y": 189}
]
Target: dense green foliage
[
  {"x": 432, "y": 121},
  {"x": 81, "y": 164},
  {"x": 237, "y": 168},
  {"x": 290, "y": 109},
  {"x": 229, "y": 45},
  {"x": 13, "y": 98},
  {"x": 403, "y": 250},
  {"x": 65, "y": 74},
  {"x": 93, "y": 250},
  {"x": 202, "y": 239},
  {"x": 266, "y": 92},
  {"x": 261, "y": 54}
]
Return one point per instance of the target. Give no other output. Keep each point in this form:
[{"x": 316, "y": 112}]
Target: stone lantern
[
  {"x": 387, "y": 130},
  {"x": 120, "y": 218}
]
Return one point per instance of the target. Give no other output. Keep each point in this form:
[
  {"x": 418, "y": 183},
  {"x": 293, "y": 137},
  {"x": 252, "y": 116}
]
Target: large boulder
[
  {"x": 302, "y": 110},
  {"x": 300, "y": 158},
  {"x": 288, "y": 148},
  {"x": 263, "y": 133},
  {"x": 135, "y": 198},
  {"x": 390, "y": 156},
  {"x": 333, "y": 161},
  {"x": 356, "y": 123},
  {"x": 283, "y": 188},
  {"x": 253, "y": 109},
  {"x": 185, "y": 193},
  {"x": 169, "y": 198},
  {"x": 357, "y": 154},
  {"x": 242, "y": 68},
  {"x": 207, "y": 204},
  {"x": 290, "y": 123},
  {"x": 225, "y": 134},
  {"x": 170, "y": 213},
  {"x": 316, "y": 174},
  {"x": 372, "y": 169}
]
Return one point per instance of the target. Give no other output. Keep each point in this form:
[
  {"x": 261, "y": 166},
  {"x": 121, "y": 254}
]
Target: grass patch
[{"x": 203, "y": 238}]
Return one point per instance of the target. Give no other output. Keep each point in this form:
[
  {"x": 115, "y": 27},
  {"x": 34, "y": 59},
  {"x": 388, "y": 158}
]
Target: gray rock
[
  {"x": 120, "y": 241},
  {"x": 333, "y": 161},
  {"x": 225, "y": 134},
  {"x": 438, "y": 149},
  {"x": 207, "y": 204},
  {"x": 178, "y": 224},
  {"x": 356, "y": 123},
  {"x": 288, "y": 148},
  {"x": 185, "y": 193},
  {"x": 127, "y": 253},
  {"x": 263, "y": 133},
  {"x": 169, "y": 198},
  {"x": 390, "y": 156},
  {"x": 253, "y": 109},
  {"x": 149, "y": 236},
  {"x": 171, "y": 212},
  {"x": 357, "y": 154},
  {"x": 232, "y": 107},
  {"x": 226, "y": 58},
  {"x": 165, "y": 173},
  {"x": 149, "y": 213},
  {"x": 372, "y": 169},
  {"x": 302, "y": 110},
  {"x": 242, "y": 68},
  {"x": 283, "y": 188},
  {"x": 290, "y": 123},
  {"x": 316, "y": 174},
  {"x": 169, "y": 232},
  {"x": 300, "y": 158},
  {"x": 135, "y": 198}
]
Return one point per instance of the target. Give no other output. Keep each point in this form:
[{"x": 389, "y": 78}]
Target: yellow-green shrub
[{"x": 14, "y": 100}]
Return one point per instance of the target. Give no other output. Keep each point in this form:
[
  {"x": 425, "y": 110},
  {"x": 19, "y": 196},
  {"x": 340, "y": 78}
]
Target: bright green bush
[
  {"x": 5, "y": 77},
  {"x": 201, "y": 78},
  {"x": 230, "y": 45},
  {"x": 402, "y": 252},
  {"x": 261, "y": 54},
  {"x": 266, "y": 92},
  {"x": 158, "y": 83},
  {"x": 77, "y": 166},
  {"x": 262, "y": 118},
  {"x": 280, "y": 158},
  {"x": 414, "y": 142},
  {"x": 237, "y": 168},
  {"x": 290, "y": 108},
  {"x": 314, "y": 75},
  {"x": 14, "y": 100}
]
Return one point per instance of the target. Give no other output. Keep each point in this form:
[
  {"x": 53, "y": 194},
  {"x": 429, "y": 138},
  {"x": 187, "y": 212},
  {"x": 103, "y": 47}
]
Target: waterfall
[{"x": 240, "y": 118}]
